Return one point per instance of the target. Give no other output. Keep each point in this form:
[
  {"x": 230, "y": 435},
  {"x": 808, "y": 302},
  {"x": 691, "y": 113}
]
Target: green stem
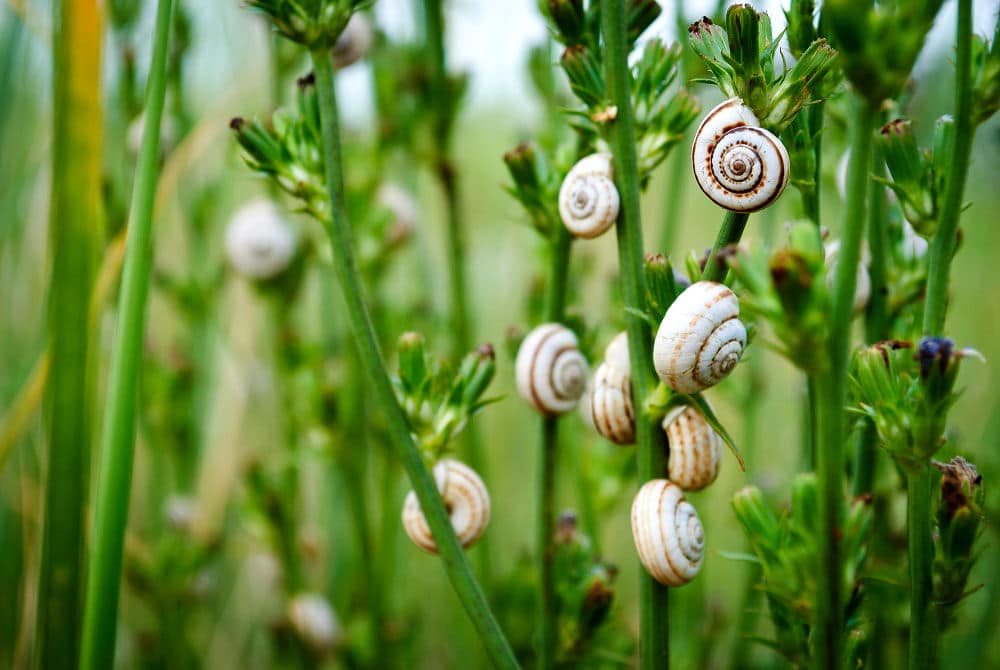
[
  {"x": 832, "y": 397},
  {"x": 942, "y": 247},
  {"x": 651, "y": 447},
  {"x": 548, "y": 457},
  {"x": 733, "y": 225},
  {"x": 118, "y": 434},
  {"x": 455, "y": 563},
  {"x": 808, "y": 463},
  {"x": 920, "y": 547},
  {"x": 75, "y": 232}
]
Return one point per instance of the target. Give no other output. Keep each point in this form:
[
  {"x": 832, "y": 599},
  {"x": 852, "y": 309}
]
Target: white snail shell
[
  {"x": 588, "y": 199},
  {"x": 403, "y": 208},
  {"x": 667, "y": 533},
  {"x": 862, "y": 283},
  {"x": 738, "y": 165},
  {"x": 550, "y": 371},
  {"x": 259, "y": 244},
  {"x": 354, "y": 42},
  {"x": 608, "y": 404},
  {"x": 695, "y": 449},
  {"x": 312, "y": 618},
  {"x": 700, "y": 339},
  {"x": 616, "y": 353},
  {"x": 466, "y": 499}
]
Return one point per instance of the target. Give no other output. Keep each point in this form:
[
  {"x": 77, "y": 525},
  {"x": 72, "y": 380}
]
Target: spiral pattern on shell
[
  {"x": 667, "y": 533},
  {"x": 588, "y": 198},
  {"x": 738, "y": 165},
  {"x": 550, "y": 371},
  {"x": 700, "y": 339},
  {"x": 608, "y": 406},
  {"x": 695, "y": 449},
  {"x": 466, "y": 499}
]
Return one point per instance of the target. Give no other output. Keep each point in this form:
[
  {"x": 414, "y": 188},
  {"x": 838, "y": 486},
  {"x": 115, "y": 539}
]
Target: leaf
[{"x": 698, "y": 401}]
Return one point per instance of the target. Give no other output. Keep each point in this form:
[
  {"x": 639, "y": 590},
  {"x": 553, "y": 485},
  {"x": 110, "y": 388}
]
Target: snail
[
  {"x": 608, "y": 406},
  {"x": 588, "y": 198},
  {"x": 466, "y": 499},
  {"x": 738, "y": 165},
  {"x": 667, "y": 533},
  {"x": 402, "y": 208},
  {"x": 700, "y": 339},
  {"x": 313, "y": 620},
  {"x": 550, "y": 371},
  {"x": 695, "y": 448},
  {"x": 353, "y": 43},
  {"x": 862, "y": 282},
  {"x": 259, "y": 244}
]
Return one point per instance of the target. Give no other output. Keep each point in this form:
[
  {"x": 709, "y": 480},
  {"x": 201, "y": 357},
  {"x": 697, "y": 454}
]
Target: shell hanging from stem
[
  {"x": 607, "y": 404},
  {"x": 700, "y": 339},
  {"x": 466, "y": 499},
  {"x": 695, "y": 448},
  {"x": 667, "y": 532},
  {"x": 588, "y": 198},
  {"x": 550, "y": 371},
  {"x": 738, "y": 165}
]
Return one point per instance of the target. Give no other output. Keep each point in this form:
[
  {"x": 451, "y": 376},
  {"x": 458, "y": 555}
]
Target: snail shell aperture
[
  {"x": 738, "y": 165},
  {"x": 588, "y": 198},
  {"x": 550, "y": 371},
  {"x": 700, "y": 339},
  {"x": 695, "y": 448},
  {"x": 466, "y": 499},
  {"x": 668, "y": 535}
]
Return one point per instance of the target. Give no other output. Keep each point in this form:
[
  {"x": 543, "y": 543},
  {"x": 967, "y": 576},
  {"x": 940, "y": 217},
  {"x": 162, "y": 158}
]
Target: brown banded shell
[
  {"x": 608, "y": 406},
  {"x": 466, "y": 499},
  {"x": 700, "y": 339},
  {"x": 588, "y": 198},
  {"x": 695, "y": 448},
  {"x": 738, "y": 165},
  {"x": 550, "y": 371},
  {"x": 668, "y": 535}
]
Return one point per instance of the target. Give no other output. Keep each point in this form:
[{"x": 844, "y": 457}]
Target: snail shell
[
  {"x": 738, "y": 165},
  {"x": 312, "y": 618},
  {"x": 695, "y": 449},
  {"x": 608, "y": 406},
  {"x": 354, "y": 42},
  {"x": 701, "y": 338},
  {"x": 667, "y": 533},
  {"x": 550, "y": 371},
  {"x": 259, "y": 244},
  {"x": 466, "y": 499},
  {"x": 862, "y": 282},
  {"x": 588, "y": 199},
  {"x": 616, "y": 353}
]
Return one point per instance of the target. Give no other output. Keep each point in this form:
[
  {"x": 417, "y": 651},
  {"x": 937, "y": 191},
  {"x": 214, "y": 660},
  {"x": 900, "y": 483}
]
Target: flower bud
[
  {"x": 986, "y": 76},
  {"x": 959, "y": 519},
  {"x": 568, "y": 18},
  {"x": 259, "y": 244},
  {"x": 910, "y": 174},
  {"x": 639, "y": 15},
  {"x": 413, "y": 370},
  {"x": 585, "y": 75}
]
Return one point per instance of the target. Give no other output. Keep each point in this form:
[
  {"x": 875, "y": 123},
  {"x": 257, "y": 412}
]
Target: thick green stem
[
  {"x": 920, "y": 549},
  {"x": 808, "y": 457},
  {"x": 118, "y": 434},
  {"x": 453, "y": 558},
  {"x": 651, "y": 447},
  {"x": 832, "y": 397},
  {"x": 75, "y": 232},
  {"x": 548, "y": 457},
  {"x": 731, "y": 231},
  {"x": 942, "y": 247}
]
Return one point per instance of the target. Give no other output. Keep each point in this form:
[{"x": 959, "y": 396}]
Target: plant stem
[
  {"x": 651, "y": 446},
  {"x": 808, "y": 462},
  {"x": 452, "y": 556},
  {"x": 920, "y": 550},
  {"x": 548, "y": 457},
  {"x": 832, "y": 397},
  {"x": 118, "y": 434},
  {"x": 942, "y": 247},
  {"x": 733, "y": 225},
  {"x": 75, "y": 232}
]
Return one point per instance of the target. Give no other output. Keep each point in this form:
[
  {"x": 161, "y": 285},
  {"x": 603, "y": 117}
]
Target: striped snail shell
[
  {"x": 738, "y": 165},
  {"x": 616, "y": 353},
  {"x": 588, "y": 199},
  {"x": 550, "y": 371},
  {"x": 608, "y": 404},
  {"x": 695, "y": 448},
  {"x": 466, "y": 499},
  {"x": 667, "y": 533},
  {"x": 700, "y": 339}
]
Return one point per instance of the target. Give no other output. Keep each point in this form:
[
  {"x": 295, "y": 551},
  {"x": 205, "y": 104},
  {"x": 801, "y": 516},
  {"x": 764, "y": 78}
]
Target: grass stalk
[
  {"x": 548, "y": 458},
  {"x": 455, "y": 563},
  {"x": 75, "y": 233},
  {"x": 651, "y": 447},
  {"x": 118, "y": 434},
  {"x": 920, "y": 551},
  {"x": 731, "y": 231},
  {"x": 942, "y": 246},
  {"x": 832, "y": 396}
]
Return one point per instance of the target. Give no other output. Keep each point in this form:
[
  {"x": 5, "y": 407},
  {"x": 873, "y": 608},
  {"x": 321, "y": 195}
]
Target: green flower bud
[
  {"x": 639, "y": 15},
  {"x": 909, "y": 169},
  {"x": 567, "y": 18},
  {"x": 413, "y": 371},
  {"x": 315, "y": 24},
  {"x": 585, "y": 76},
  {"x": 986, "y": 76},
  {"x": 661, "y": 287},
  {"x": 959, "y": 520},
  {"x": 481, "y": 374},
  {"x": 801, "y": 30}
]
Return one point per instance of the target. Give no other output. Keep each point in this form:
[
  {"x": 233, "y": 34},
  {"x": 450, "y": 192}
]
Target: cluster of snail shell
[
  {"x": 465, "y": 498},
  {"x": 739, "y": 165}
]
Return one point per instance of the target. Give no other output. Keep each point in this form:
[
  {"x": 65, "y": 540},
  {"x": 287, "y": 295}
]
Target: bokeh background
[{"x": 228, "y": 74}]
